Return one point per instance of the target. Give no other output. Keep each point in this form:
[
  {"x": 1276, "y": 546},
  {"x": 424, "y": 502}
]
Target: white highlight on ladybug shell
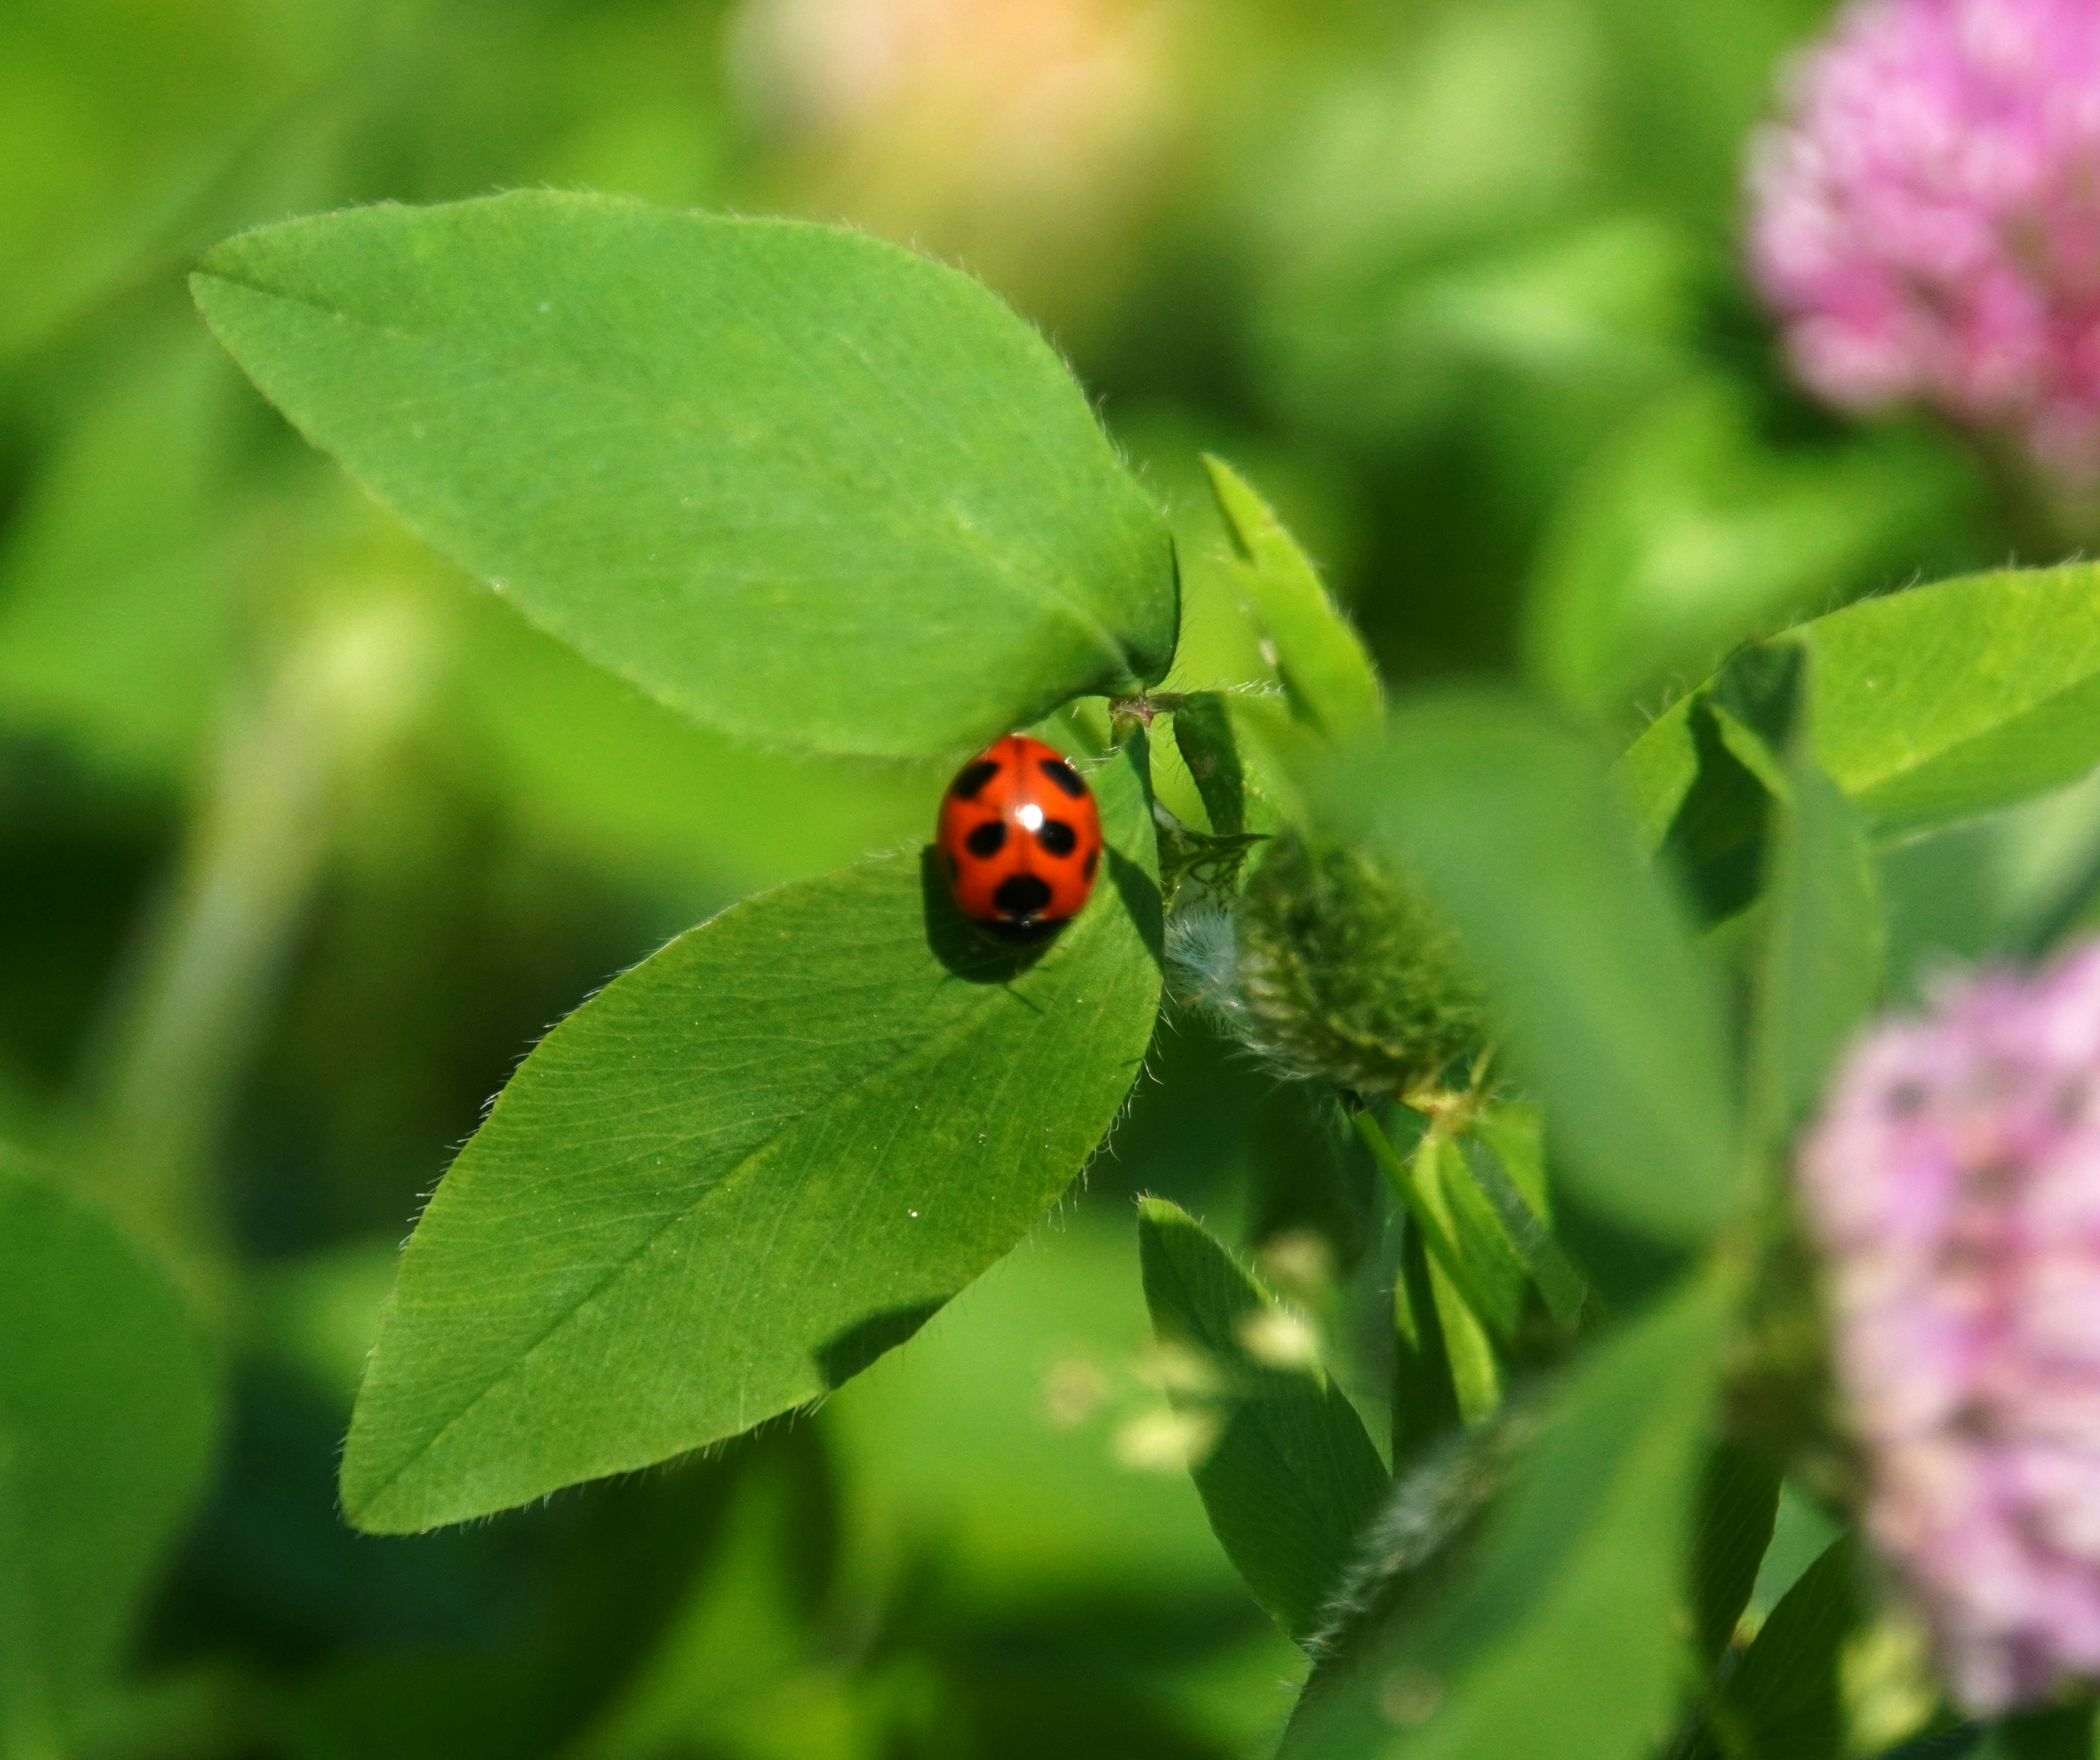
[{"x": 1031, "y": 816}]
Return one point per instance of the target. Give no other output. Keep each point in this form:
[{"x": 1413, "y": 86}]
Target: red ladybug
[{"x": 1020, "y": 838}]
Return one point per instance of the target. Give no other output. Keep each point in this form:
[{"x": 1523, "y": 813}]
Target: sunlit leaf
[
  {"x": 796, "y": 482},
  {"x": 743, "y": 1170},
  {"x": 1932, "y": 705},
  {"x": 1326, "y": 671}
]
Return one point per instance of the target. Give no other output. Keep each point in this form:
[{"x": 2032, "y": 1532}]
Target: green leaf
[
  {"x": 111, "y": 556},
  {"x": 1954, "y": 700},
  {"x": 1476, "y": 1374},
  {"x": 743, "y": 1170},
  {"x": 1292, "y": 1479},
  {"x": 1562, "y": 1641},
  {"x": 1425, "y": 1394},
  {"x": 1932, "y": 705},
  {"x": 1491, "y": 1304},
  {"x": 1738, "y": 1503},
  {"x": 1822, "y": 965},
  {"x": 798, "y": 482},
  {"x": 1517, "y": 1216},
  {"x": 1326, "y": 671},
  {"x": 2058, "y": 1732},
  {"x": 1514, "y": 1135},
  {"x": 106, "y": 1402},
  {"x": 1203, "y": 735},
  {"x": 1782, "y": 1701},
  {"x": 1692, "y": 532},
  {"x": 1518, "y": 831},
  {"x": 1460, "y": 1276}
]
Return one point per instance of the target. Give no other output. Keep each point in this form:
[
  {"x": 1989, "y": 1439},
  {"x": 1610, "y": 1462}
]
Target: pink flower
[
  {"x": 1928, "y": 221},
  {"x": 1954, "y": 1183}
]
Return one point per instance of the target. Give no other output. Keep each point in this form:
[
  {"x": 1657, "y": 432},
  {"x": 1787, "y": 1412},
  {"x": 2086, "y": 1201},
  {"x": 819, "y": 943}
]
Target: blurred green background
[{"x": 303, "y": 839}]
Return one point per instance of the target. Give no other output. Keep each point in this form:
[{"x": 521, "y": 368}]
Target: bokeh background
[{"x": 303, "y": 839}]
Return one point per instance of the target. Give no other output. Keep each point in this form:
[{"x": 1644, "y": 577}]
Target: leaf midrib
[{"x": 560, "y": 369}]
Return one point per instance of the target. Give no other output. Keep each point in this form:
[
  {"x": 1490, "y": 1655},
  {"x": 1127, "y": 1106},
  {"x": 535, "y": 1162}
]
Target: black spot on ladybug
[
  {"x": 1063, "y": 775},
  {"x": 973, "y": 777},
  {"x": 1093, "y": 861},
  {"x": 1021, "y": 895},
  {"x": 986, "y": 839},
  {"x": 1058, "y": 838}
]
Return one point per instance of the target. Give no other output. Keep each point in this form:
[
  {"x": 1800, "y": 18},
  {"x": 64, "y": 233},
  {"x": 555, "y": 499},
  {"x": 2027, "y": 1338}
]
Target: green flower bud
[{"x": 1344, "y": 971}]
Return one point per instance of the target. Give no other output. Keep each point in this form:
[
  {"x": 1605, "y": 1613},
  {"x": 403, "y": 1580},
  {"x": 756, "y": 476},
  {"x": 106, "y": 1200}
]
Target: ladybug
[{"x": 1020, "y": 838}]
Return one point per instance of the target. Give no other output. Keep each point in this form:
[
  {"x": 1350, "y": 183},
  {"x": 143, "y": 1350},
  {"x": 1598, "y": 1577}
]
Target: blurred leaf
[
  {"x": 1399, "y": 215},
  {"x": 1425, "y": 1394},
  {"x": 115, "y": 122},
  {"x": 1692, "y": 533},
  {"x": 1292, "y": 1479},
  {"x": 1932, "y": 705},
  {"x": 2059, "y": 1732},
  {"x": 1482, "y": 1228},
  {"x": 1325, "y": 666},
  {"x": 800, "y": 483},
  {"x": 1561, "y": 1641},
  {"x": 1469, "y": 1349},
  {"x": 623, "y": 786},
  {"x": 1781, "y": 1702},
  {"x": 106, "y": 1411},
  {"x": 1802, "y": 1532},
  {"x": 1714, "y": 835},
  {"x": 1822, "y": 965},
  {"x": 114, "y": 612},
  {"x": 1689, "y": 88},
  {"x": 1515, "y": 1135},
  {"x": 1517, "y": 830},
  {"x": 1738, "y": 1499},
  {"x": 744, "y": 1170},
  {"x": 1963, "y": 1742},
  {"x": 1307, "y": 1174},
  {"x": 1496, "y": 1275},
  {"x": 1203, "y": 734},
  {"x": 993, "y": 1436},
  {"x": 636, "y": 1561},
  {"x": 1520, "y": 1218}
]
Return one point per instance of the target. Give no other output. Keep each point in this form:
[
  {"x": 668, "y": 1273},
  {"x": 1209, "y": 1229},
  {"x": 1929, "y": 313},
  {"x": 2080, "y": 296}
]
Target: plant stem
[{"x": 186, "y": 1026}]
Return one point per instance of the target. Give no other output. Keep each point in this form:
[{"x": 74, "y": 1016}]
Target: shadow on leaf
[{"x": 846, "y": 1354}]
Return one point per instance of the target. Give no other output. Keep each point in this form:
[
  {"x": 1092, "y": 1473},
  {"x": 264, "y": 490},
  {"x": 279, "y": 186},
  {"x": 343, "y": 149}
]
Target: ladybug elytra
[{"x": 1020, "y": 838}]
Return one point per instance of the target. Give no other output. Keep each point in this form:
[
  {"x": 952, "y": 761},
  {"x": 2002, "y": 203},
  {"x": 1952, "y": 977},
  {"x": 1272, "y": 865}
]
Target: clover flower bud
[
  {"x": 1334, "y": 967},
  {"x": 1927, "y": 220},
  {"x": 1953, "y": 1182}
]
